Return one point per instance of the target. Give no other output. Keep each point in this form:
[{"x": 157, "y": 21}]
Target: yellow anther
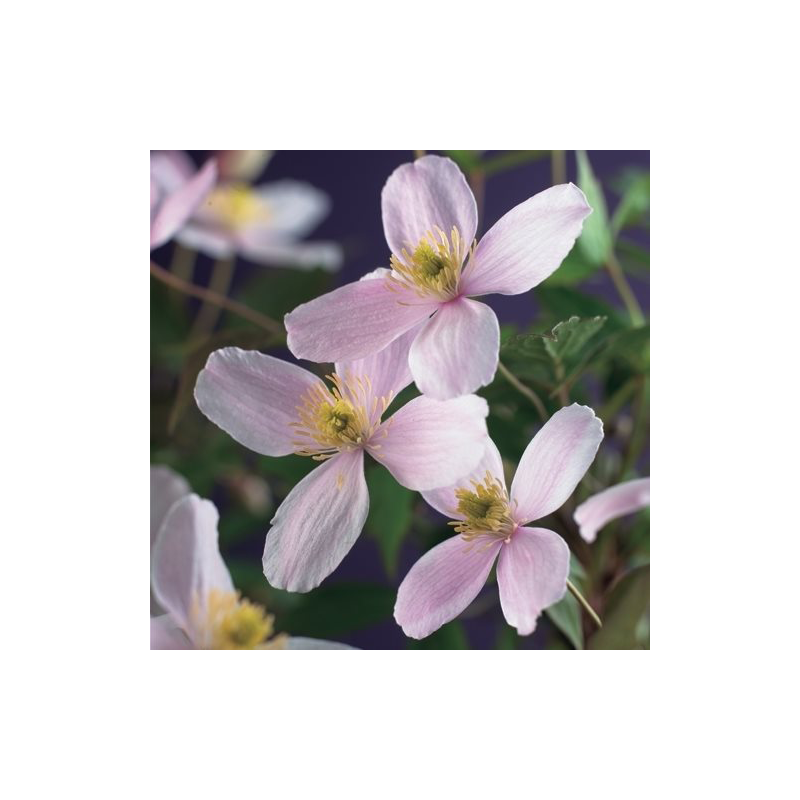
[
  {"x": 236, "y": 205},
  {"x": 345, "y": 416},
  {"x": 232, "y": 623},
  {"x": 433, "y": 267},
  {"x": 486, "y": 510}
]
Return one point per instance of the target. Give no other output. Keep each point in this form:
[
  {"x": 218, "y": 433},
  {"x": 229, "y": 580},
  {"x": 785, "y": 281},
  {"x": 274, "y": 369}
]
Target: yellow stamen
[
  {"x": 342, "y": 417},
  {"x": 236, "y": 206},
  {"x": 433, "y": 267},
  {"x": 486, "y": 510},
  {"x": 232, "y": 623}
]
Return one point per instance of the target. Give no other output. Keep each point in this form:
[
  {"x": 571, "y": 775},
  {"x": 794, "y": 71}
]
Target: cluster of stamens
[
  {"x": 229, "y": 622},
  {"x": 236, "y": 205},
  {"x": 433, "y": 267},
  {"x": 345, "y": 416},
  {"x": 486, "y": 510}
]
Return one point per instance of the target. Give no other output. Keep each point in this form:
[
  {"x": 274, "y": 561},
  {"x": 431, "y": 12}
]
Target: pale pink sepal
[
  {"x": 166, "y": 487},
  {"x": 616, "y": 501},
  {"x": 166, "y": 635}
]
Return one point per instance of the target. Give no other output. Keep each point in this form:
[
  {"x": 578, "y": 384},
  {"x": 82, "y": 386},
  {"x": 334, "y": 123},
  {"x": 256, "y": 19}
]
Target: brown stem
[
  {"x": 419, "y": 153},
  {"x": 558, "y": 166},
  {"x": 477, "y": 180},
  {"x": 220, "y": 283},
  {"x": 523, "y": 389},
  {"x": 212, "y": 297},
  {"x": 585, "y": 603}
]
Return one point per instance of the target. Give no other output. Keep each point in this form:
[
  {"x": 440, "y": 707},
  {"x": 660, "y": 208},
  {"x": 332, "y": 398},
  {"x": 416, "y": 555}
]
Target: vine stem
[
  {"x": 558, "y": 166},
  {"x": 624, "y": 289},
  {"x": 419, "y": 153},
  {"x": 523, "y": 389},
  {"x": 220, "y": 283},
  {"x": 208, "y": 296},
  {"x": 585, "y": 603}
]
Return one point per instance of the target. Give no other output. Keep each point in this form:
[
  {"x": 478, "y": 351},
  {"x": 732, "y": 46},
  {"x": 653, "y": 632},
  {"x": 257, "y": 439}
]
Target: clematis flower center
[
  {"x": 486, "y": 511},
  {"x": 345, "y": 416},
  {"x": 232, "y": 623},
  {"x": 236, "y": 205},
  {"x": 432, "y": 268}
]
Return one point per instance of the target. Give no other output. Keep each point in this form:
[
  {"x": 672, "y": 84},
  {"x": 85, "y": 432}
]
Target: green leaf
[
  {"x": 570, "y": 338},
  {"x": 635, "y": 201},
  {"x": 575, "y": 268},
  {"x": 557, "y": 357},
  {"x": 334, "y": 610},
  {"x": 466, "y": 159},
  {"x": 390, "y": 511},
  {"x": 529, "y": 357},
  {"x": 507, "y": 639},
  {"x": 627, "y": 604},
  {"x": 566, "y": 614},
  {"x": 448, "y": 637},
  {"x": 596, "y": 240},
  {"x": 631, "y": 347}
]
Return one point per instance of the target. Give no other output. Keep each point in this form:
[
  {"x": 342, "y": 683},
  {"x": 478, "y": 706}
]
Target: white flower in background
[
  {"x": 192, "y": 584},
  {"x": 263, "y": 223}
]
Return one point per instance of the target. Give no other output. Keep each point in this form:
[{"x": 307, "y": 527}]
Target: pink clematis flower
[
  {"x": 430, "y": 219},
  {"x": 193, "y": 585},
  {"x": 533, "y": 563},
  {"x": 176, "y": 191},
  {"x": 263, "y": 223},
  {"x": 616, "y": 501},
  {"x": 166, "y": 488},
  {"x": 277, "y": 408}
]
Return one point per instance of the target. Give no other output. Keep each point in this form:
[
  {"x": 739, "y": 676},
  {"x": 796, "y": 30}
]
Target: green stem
[
  {"x": 585, "y": 603},
  {"x": 523, "y": 389},
  {"x": 624, "y": 289}
]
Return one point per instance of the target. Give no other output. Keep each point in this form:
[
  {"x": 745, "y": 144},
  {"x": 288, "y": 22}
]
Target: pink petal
[
  {"x": 304, "y": 643},
  {"x": 531, "y": 575},
  {"x": 617, "y": 501},
  {"x": 555, "y": 461},
  {"x": 155, "y": 196},
  {"x": 186, "y": 561},
  {"x": 527, "y": 244},
  {"x": 166, "y": 487},
  {"x": 457, "y": 350},
  {"x": 444, "y": 500},
  {"x": 253, "y": 397},
  {"x": 176, "y": 209},
  {"x": 433, "y": 443},
  {"x": 431, "y": 191},
  {"x": 442, "y": 584},
  {"x": 351, "y": 322},
  {"x": 317, "y": 524},
  {"x": 170, "y": 169},
  {"x": 387, "y": 369},
  {"x": 165, "y": 635}
]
